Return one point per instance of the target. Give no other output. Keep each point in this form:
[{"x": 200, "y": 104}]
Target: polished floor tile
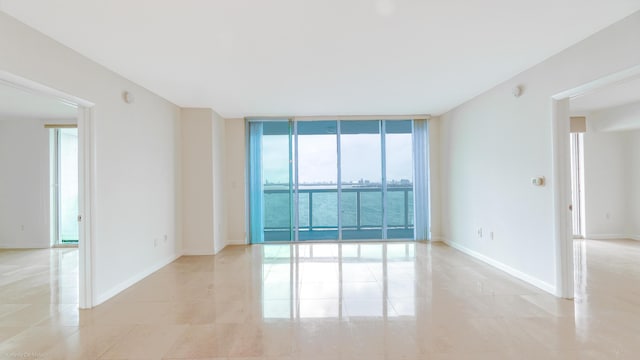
[{"x": 324, "y": 301}]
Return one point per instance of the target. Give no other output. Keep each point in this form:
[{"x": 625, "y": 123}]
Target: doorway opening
[
  {"x": 611, "y": 165},
  {"x": 32, "y": 110},
  {"x": 564, "y": 106}
]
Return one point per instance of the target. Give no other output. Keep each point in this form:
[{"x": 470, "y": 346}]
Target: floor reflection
[
  {"x": 369, "y": 301},
  {"x": 339, "y": 280}
]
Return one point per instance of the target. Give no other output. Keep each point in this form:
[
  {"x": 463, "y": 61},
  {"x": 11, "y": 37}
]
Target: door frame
[
  {"x": 561, "y": 180},
  {"x": 577, "y": 185},
  {"x": 86, "y": 177}
]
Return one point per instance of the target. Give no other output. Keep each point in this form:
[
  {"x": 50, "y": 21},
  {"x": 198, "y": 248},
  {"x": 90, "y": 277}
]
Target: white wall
[
  {"x": 611, "y": 172},
  {"x": 492, "y": 145},
  {"x": 24, "y": 184},
  {"x": 619, "y": 118},
  {"x": 606, "y": 184},
  {"x": 634, "y": 181},
  {"x": 218, "y": 137},
  {"x": 137, "y": 151},
  {"x": 203, "y": 163},
  {"x": 197, "y": 180},
  {"x": 235, "y": 181}
]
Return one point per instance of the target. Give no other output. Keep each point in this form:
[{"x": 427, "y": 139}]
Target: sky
[{"x": 361, "y": 158}]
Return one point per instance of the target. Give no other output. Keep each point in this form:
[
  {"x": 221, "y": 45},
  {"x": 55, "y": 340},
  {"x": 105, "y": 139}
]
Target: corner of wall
[
  {"x": 118, "y": 288},
  {"x": 197, "y": 181},
  {"x": 179, "y": 192},
  {"x": 234, "y": 181},
  {"x": 204, "y": 153}
]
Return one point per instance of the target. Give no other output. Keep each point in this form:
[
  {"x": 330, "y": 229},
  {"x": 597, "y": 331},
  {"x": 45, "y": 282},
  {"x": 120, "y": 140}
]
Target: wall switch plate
[{"x": 538, "y": 181}]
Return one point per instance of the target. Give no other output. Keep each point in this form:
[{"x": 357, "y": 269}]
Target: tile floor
[{"x": 324, "y": 301}]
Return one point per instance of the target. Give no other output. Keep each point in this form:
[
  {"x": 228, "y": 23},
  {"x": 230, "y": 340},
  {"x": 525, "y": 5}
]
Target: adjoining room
[
  {"x": 39, "y": 229},
  {"x": 605, "y": 165}
]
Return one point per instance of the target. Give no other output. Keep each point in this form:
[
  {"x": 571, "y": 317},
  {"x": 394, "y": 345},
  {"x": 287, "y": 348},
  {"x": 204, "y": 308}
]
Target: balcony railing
[{"x": 361, "y": 213}]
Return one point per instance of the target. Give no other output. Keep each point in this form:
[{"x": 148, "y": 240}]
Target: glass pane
[
  {"x": 325, "y": 209},
  {"x": 68, "y": 142},
  {"x": 371, "y": 207},
  {"x": 361, "y": 170},
  {"x": 276, "y": 181},
  {"x": 303, "y": 212},
  {"x": 399, "y": 165},
  {"x": 410, "y": 195},
  {"x": 396, "y": 212},
  {"x": 349, "y": 209},
  {"x": 276, "y": 200},
  {"x": 317, "y": 180}
]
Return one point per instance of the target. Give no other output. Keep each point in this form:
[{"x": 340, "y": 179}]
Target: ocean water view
[{"x": 318, "y": 207}]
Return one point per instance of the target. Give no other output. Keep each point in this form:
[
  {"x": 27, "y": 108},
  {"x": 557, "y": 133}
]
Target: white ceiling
[
  {"x": 623, "y": 93},
  {"x": 16, "y": 103},
  {"x": 304, "y": 57}
]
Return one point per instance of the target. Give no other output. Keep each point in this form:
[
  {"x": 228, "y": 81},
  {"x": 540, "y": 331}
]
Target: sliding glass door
[
  {"x": 331, "y": 180},
  {"x": 316, "y": 180},
  {"x": 64, "y": 180},
  {"x": 271, "y": 181},
  {"x": 361, "y": 180},
  {"x": 399, "y": 175}
]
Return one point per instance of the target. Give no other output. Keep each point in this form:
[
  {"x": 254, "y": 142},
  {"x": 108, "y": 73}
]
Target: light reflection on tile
[
  {"x": 277, "y": 309},
  {"x": 364, "y": 274},
  {"x": 367, "y": 308},
  {"x": 320, "y": 290},
  {"x": 325, "y": 301},
  {"x": 319, "y": 308},
  {"x": 404, "y": 306}
]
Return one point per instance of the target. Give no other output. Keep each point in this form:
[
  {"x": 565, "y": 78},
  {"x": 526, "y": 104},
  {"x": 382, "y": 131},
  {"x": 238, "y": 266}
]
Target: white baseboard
[
  {"x": 236, "y": 242},
  {"x": 508, "y": 269},
  {"x": 100, "y": 298},
  {"x": 216, "y": 249},
  {"x": 612, "y": 236},
  {"x": 187, "y": 252},
  {"x": 206, "y": 251}
]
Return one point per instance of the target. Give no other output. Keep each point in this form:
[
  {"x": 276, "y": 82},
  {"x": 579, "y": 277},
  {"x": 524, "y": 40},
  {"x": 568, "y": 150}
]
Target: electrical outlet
[
  {"x": 480, "y": 232},
  {"x": 165, "y": 238}
]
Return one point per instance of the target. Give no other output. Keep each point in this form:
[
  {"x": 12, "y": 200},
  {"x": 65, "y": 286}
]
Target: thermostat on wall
[{"x": 537, "y": 181}]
